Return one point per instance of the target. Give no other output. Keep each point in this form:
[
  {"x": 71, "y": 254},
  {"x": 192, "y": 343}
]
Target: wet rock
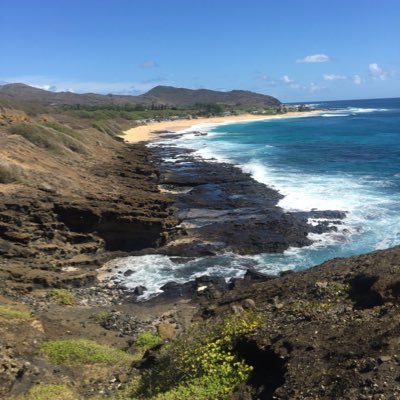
[
  {"x": 174, "y": 289},
  {"x": 139, "y": 290},
  {"x": 254, "y": 275},
  {"x": 211, "y": 281},
  {"x": 227, "y": 210}
]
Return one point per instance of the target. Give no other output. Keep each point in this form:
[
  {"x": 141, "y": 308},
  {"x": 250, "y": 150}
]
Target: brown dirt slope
[{"x": 69, "y": 194}]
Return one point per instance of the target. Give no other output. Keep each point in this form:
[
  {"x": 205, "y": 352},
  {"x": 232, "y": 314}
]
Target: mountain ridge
[
  {"x": 183, "y": 96},
  {"x": 168, "y": 95}
]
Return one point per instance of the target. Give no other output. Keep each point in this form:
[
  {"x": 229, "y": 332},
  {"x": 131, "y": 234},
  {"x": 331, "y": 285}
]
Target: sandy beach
[{"x": 149, "y": 132}]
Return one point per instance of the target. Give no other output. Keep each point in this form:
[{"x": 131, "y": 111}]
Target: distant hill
[
  {"x": 181, "y": 96},
  {"x": 19, "y": 92}
]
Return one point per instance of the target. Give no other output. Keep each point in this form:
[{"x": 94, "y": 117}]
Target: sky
[{"x": 294, "y": 50}]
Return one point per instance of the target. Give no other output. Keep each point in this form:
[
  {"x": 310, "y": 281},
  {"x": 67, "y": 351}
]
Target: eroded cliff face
[
  {"x": 331, "y": 332},
  {"x": 63, "y": 210}
]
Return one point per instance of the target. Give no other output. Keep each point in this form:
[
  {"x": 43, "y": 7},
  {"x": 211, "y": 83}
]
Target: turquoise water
[{"x": 346, "y": 158}]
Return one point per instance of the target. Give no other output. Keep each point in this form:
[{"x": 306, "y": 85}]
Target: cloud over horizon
[
  {"x": 290, "y": 82},
  {"x": 357, "y": 80},
  {"x": 312, "y": 88},
  {"x": 334, "y": 77},
  {"x": 149, "y": 64},
  {"x": 314, "y": 58},
  {"x": 376, "y": 72}
]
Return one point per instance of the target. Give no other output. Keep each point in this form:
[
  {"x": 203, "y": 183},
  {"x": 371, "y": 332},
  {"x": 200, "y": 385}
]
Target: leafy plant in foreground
[{"x": 201, "y": 363}]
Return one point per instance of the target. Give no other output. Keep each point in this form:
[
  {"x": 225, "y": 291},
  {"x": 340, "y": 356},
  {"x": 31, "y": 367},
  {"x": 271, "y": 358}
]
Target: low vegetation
[
  {"x": 201, "y": 364},
  {"x": 147, "y": 340},
  {"x": 10, "y": 173},
  {"x": 135, "y": 112},
  {"x": 83, "y": 351},
  {"x": 50, "y": 392},
  {"x": 109, "y": 127},
  {"x": 62, "y": 296},
  {"x": 101, "y": 316},
  {"x": 63, "y": 128},
  {"x": 10, "y": 312},
  {"x": 47, "y": 137}
]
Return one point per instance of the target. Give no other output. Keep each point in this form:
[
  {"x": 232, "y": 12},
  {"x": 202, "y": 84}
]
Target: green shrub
[
  {"x": 62, "y": 296},
  {"x": 36, "y": 135},
  {"x": 111, "y": 128},
  {"x": 71, "y": 143},
  {"x": 49, "y": 138},
  {"x": 101, "y": 316},
  {"x": 50, "y": 392},
  {"x": 201, "y": 364},
  {"x": 62, "y": 128},
  {"x": 207, "y": 387},
  {"x": 13, "y": 313},
  {"x": 83, "y": 351},
  {"x": 147, "y": 340}
]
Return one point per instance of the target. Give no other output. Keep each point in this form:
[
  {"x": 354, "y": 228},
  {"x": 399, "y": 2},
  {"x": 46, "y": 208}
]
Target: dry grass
[
  {"x": 10, "y": 173},
  {"x": 52, "y": 138}
]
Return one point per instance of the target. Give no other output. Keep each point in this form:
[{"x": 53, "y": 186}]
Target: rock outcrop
[
  {"x": 66, "y": 212},
  {"x": 223, "y": 209}
]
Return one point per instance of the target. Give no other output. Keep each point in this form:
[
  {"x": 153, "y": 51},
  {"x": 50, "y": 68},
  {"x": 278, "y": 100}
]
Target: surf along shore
[
  {"x": 244, "y": 218},
  {"x": 341, "y": 318},
  {"x": 150, "y": 131}
]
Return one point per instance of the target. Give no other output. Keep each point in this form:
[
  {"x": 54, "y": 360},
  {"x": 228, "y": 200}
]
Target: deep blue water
[{"x": 346, "y": 158}]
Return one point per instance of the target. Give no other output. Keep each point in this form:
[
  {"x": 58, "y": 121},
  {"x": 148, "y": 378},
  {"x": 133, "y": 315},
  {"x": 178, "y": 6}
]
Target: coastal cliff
[
  {"x": 63, "y": 209},
  {"x": 74, "y": 196}
]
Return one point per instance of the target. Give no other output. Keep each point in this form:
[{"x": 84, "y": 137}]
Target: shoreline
[
  {"x": 244, "y": 219},
  {"x": 148, "y": 132}
]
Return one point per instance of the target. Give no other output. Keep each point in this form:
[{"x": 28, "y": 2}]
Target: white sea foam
[
  {"x": 351, "y": 111},
  {"x": 313, "y": 106},
  {"x": 365, "y": 110},
  {"x": 369, "y": 215},
  {"x": 150, "y": 271},
  {"x": 335, "y": 115},
  {"x": 154, "y": 271}
]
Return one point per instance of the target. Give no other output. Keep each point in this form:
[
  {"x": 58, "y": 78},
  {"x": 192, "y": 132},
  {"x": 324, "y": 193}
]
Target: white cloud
[
  {"x": 357, "y": 80},
  {"x": 149, "y": 64},
  {"x": 290, "y": 82},
  {"x": 315, "y": 58},
  {"x": 286, "y": 79},
  {"x": 60, "y": 85},
  {"x": 312, "y": 88},
  {"x": 334, "y": 77},
  {"x": 261, "y": 76},
  {"x": 50, "y": 88},
  {"x": 376, "y": 72}
]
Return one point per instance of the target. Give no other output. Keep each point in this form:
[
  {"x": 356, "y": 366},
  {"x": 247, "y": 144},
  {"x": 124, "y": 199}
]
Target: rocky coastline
[
  {"x": 223, "y": 209},
  {"x": 331, "y": 331}
]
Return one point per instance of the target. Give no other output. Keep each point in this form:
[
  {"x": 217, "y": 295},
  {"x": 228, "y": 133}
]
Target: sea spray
[{"x": 348, "y": 163}]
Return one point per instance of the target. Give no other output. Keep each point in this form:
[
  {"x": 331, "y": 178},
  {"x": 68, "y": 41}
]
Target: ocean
[{"x": 345, "y": 158}]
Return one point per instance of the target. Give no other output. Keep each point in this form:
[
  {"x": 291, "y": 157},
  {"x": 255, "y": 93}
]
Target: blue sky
[{"x": 294, "y": 50}]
